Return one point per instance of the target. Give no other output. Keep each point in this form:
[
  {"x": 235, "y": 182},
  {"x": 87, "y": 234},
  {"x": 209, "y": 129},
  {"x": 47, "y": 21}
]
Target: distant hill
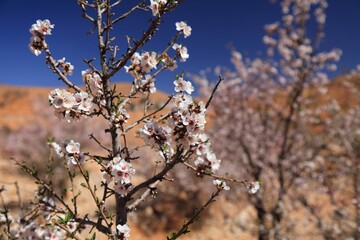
[{"x": 18, "y": 104}]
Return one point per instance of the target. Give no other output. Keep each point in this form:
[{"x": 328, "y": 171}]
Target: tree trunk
[
  {"x": 356, "y": 179},
  {"x": 263, "y": 231},
  {"x": 277, "y": 214}
]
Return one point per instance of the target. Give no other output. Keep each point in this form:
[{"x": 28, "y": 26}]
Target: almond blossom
[
  {"x": 221, "y": 184},
  {"x": 41, "y": 27},
  {"x": 147, "y": 84},
  {"x": 142, "y": 64},
  {"x": 119, "y": 172},
  {"x": 58, "y": 150},
  {"x": 35, "y": 45},
  {"x": 182, "y": 26},
  {"x": 253, "y": 187},
  {"x": 182, "y": 50},
  {"x": 181, "y": 85},
  {"x": 66, "y": 67},
  {"x": 69, "y": 105},
  {"x": 73, "y": 147},
  {"x": 124, "y": 230},
  {"x": 38, "y": 31},
  {"x": 154, "y": 6},
  {"x": 93, "y": 80}
]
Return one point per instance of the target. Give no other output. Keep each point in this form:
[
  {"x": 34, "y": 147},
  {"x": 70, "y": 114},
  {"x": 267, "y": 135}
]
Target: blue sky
[{"x": 215, "y": 24}]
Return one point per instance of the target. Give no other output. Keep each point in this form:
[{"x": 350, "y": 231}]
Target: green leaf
[
  {"x": 68, "y": 216},
  {"x": 61, "y": 220},
  {"x": 86, "y": 175},
  {"x": 93, "y": 237},
  {"x": 111, "y": 216},
  {"x": 172, "y": 235}
]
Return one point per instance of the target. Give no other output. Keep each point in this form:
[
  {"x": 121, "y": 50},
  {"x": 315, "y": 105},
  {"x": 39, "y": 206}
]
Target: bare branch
[
  {"x": 185, "y": 228},
  {"x": 54, "y": 67},
  {"x": 213, "y": 92},
  {"x": 149, "y": 115},
  {"x": 133, "y": 206}
]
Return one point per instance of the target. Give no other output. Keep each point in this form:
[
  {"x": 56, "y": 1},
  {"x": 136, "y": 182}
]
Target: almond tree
[
  {"x": 264, "y": 119},
  {"x": 174, "y": 130}
]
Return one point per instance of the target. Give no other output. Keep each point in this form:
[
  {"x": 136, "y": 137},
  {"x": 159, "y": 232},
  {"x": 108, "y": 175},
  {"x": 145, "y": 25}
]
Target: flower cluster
[
  {"x": 140, "y": 65},
  {"x": 70, "y": 151},
  {"x": 155, "y": 135},
  {"x": 252, "y": 187},
  {"x": 38, "y": 31},
  {"x": 32, "y": 230},
  {"x": 220, "y": 184},
  {"x": 183, "y": 86},
  {"x": 58, "y": 150},
  {"x": 121, "y": 172},
  {"x": 295, "y": 50},
  {"x": 69, "y": 105},
  {"x": 187, "y": 115},
  {"x": 73, "y": 154},
  {"x": 146, "y": 85},
  {"x": 155, "y": 5},
  {"x": 182, "y": 26},
  {"x": 93, "y": 80},
  {"x": 120, "y": 116},
  {"x": 188, "y": 120},
  {"x": 182, "y": 51},
  {"x": 66, "y": 67},
  {"x": 184, "y": 126},
  {"x": 124, "y": 230},
  {"x": 205, "y": 159}
]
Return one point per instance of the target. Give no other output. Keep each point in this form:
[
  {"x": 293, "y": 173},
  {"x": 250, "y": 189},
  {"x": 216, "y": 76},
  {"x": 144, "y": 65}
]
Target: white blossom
[
  {"x": 221, "y": 184},
  {"x": 182, "y": 26},
  {"x": 42, "y": 27},
  {"x": 253, "y": 187},
  {"x": 123, "y": 229},
  {"x": 181, "y": 85}
]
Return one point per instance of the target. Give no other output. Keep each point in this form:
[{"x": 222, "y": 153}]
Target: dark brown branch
[
  {"x": 139, "y": 6},
  {"x": 160, "y": 176},
  {"x": 147, "y": 116},
  {"x": 213, "y": 91},
  {"x": 185, "y": 228},
  {"x": 53, "y": 66}
]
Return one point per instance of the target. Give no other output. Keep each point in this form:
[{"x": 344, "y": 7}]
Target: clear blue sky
[{"x": 215, "y": 24}]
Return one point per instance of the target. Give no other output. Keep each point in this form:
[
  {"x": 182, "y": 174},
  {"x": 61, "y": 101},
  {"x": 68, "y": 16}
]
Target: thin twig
[
  {"x": 215, "y": 175},
  {"x": 133, "y": 206},
  {"x": 158, "y": 177},
  {"x": 185, "y": 228},
  {"x": 149, "y": 115},
  {"x": 93, "y": 194},
  {"x": 213, "y": 91},
  {"x": 125, "y": 15},
  {"x": 62, "y": 77},
  {"x": 98, "y": 142}
]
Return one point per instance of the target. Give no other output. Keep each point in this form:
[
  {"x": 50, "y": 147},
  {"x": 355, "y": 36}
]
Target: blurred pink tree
[{"x": 265, "y": 121}]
